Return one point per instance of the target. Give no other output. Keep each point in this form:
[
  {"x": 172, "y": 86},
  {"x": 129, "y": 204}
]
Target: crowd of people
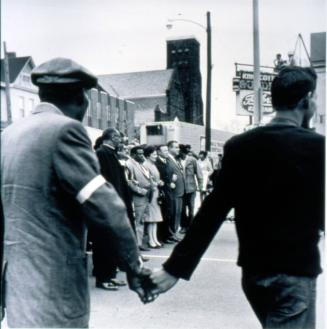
[
  {"x": 158, "y": 184},
  {"x": 54, "y": 186}
]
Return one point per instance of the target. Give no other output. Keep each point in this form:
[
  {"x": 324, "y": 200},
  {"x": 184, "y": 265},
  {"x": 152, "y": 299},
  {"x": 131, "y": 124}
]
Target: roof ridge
[{"x": 148, "y": 71}]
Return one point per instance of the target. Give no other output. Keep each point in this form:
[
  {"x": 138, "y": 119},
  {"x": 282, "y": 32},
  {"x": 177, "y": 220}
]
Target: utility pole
[
  {"x": 7, "y": 85},
  {"x": 256, "y": 62},
  {"x": 208, "y": 97}
]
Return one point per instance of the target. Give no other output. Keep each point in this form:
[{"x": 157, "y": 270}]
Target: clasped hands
[{"x": 149, "y": 284}]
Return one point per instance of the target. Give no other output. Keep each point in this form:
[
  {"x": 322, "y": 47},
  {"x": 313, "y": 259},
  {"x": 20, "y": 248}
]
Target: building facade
[
  {"x": 23, "y": 94},
  {"x": 318, "y": 60},
  {"x": 157, "y": 94},
  {"x": 183, "y": 55},
  {"x": 105, "y": 109}
]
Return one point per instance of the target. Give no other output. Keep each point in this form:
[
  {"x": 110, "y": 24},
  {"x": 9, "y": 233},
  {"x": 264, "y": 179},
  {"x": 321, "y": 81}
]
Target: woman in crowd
[
  {"x": 155, "y": 216},
  {"x": 206, "y": 167}
]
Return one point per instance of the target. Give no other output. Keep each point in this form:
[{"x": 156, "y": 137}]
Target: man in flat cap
[{"x": 51, "y": 190}]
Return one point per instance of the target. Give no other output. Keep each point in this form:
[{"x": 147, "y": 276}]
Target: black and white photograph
[{"x": 163, "y": 164}]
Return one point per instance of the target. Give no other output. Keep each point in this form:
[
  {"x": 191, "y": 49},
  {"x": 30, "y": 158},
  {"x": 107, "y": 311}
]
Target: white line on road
[{"x": 204, "y": 258}]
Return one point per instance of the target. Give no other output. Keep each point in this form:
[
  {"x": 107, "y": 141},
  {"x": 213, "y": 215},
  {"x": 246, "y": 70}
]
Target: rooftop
[
  {"x": 16, "y": 64},
  {"x": 137, "y": 84}
]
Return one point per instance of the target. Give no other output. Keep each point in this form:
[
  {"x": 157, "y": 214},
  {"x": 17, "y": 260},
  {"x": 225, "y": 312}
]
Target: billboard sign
[{"x": 243, "y": 86}]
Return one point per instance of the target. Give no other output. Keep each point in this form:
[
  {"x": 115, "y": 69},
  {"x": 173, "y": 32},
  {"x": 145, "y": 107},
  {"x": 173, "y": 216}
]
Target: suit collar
[
  {"x": 46, "y": 107},
  {"x": 109, "y": 146}
]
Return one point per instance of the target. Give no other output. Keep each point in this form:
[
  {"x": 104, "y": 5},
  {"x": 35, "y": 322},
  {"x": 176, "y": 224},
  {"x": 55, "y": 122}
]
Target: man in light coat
[
  {"x": 140, "y": 185},
  {"x": 193, "y": 180},
  {"x": 51, "y": 190}
]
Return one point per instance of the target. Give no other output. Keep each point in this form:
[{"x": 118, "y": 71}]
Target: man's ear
[{"x": 304, "y": 102}]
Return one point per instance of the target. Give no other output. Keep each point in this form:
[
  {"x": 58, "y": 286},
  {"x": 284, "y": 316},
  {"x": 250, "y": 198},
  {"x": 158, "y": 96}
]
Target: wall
[{"x": 107, "y": 111}]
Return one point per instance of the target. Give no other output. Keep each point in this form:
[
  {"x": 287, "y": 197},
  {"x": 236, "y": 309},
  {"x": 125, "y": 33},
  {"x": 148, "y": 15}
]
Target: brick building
[
  {"x": 183, "y": 55},
  {"x": 106, "y": 110},
  {"x": 157, "y": 95}
]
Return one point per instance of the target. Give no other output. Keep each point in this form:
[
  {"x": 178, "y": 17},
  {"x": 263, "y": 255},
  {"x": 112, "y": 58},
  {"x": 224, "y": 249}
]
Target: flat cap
[{"x": 63, "y": 71}]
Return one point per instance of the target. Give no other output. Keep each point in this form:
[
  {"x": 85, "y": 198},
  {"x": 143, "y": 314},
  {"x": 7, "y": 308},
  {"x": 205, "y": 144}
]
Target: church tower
[{"x": 183, "y": 54}]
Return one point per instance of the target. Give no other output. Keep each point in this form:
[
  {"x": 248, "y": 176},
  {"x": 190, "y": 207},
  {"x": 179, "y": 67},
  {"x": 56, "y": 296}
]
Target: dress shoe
[
  {"x": 154, "y": 246},
  {"x": 106, "y": 286},
  {"x": 176, "y": 239},
  {"x": 144, "y": 259},
  {"x": 118, "y": 283},
  {"x": 144, "y": 248},
  {"x": 170, "y": 241}
]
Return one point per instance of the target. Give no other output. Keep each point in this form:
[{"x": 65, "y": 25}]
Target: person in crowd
[
  {"x": 274, "y": 178},
  {"x": 105, "y": 262},
  {"x": 141, "y": 187},
  {"x": 166, "y": 199},
  {"x": 206, "y": 168},
  {"x": 51, "y": 188},
  {"x": 177, "y": 186},
  {"x": 214, "y": 175},
  {"x": 279, "y": 63},
  {"x": 193, "y": 179},
  {"x": 155, "y": 216}
]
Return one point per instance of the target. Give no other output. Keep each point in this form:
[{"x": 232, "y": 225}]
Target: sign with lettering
[
  {"x": 245, "y": 103},
  {"x": 246, "y": 80}
]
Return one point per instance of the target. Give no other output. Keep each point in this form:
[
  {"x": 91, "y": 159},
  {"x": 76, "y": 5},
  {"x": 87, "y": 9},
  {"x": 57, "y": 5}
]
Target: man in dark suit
[
  {"x": 165, "y": 234},
  {"x": 51, "y": 189},
  {"x": 177, "y": 186},
  {"x": 104, "y": 255},
  {"x": 274, "y": 178}
]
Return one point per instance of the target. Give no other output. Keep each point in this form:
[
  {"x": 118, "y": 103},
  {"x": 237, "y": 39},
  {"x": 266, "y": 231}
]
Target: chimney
[{"x": 11, "y": 54}]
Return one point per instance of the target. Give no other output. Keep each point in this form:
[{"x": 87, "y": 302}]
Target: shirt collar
[
  {"x": 110, "y": 146},
  {"x": 46, "y": 107}
]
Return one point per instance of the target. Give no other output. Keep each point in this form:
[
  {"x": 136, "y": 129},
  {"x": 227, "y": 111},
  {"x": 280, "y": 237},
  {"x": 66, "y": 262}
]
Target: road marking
[{"x": 209, "y": 259}]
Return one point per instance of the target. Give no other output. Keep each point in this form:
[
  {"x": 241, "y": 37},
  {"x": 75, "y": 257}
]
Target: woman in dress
[
  {"x": 155, "y": 216},
  {"x": 207, "y": 170}
]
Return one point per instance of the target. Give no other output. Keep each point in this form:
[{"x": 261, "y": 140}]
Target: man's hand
[
  {"x": 162, "y": 281},
  {"x": 142, "y": 285}
]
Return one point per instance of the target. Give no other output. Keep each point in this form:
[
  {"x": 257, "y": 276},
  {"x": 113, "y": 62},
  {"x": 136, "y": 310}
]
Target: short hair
[
  {"x": 160, "y": 146},
  {"x": 107, "y": 133},
  {"x": 171, "y": 143},
  {"x": 135, "y": 149},
  {"x": 291, "y": 85},
  {"x": 203, "y": 153},
  {"x": 183, "y": 149},
  {"x": 98, "y": 143},
  {"x": 148, "y": 150},
  {"x": 61, "y": 94}
]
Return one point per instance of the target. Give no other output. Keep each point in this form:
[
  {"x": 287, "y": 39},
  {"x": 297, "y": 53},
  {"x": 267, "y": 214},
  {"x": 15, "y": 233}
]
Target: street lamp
[{"x": 209, "y": 67}]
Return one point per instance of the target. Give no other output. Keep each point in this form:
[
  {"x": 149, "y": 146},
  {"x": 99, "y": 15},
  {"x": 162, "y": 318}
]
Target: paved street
[{"x": 212, "y": 299}]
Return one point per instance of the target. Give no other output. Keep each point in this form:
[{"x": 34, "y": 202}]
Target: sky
[{"x": 111, "y": 36}]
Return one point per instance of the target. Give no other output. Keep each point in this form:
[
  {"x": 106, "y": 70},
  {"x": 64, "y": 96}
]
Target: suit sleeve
[
  {"x": 187, "y": 254},
  {"x": 79, "y": 175},
  {"x": 198, "y": 173},
  {"x": 133, "y": 184}
]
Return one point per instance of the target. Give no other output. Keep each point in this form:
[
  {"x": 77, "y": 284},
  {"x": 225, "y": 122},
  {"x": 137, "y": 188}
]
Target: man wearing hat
[{"x": 51, "y": 190}]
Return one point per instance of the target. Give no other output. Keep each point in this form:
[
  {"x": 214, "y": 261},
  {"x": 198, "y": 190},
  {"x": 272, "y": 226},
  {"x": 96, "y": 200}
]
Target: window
[
  {"x": 21, "y": 106},
  {"x": 30, "y": 105},
  {"x": 154, "y": 130},
  {"x": 173, "y": 51},
  {"x": 321, "y": 118}
]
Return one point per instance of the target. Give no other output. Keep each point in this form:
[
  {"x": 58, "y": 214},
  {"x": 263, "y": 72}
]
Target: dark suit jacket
[
  {"x": 174, "y": 168},
  {"x": 274, "y": 178},
  {"x": 113, "y": 172}
]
